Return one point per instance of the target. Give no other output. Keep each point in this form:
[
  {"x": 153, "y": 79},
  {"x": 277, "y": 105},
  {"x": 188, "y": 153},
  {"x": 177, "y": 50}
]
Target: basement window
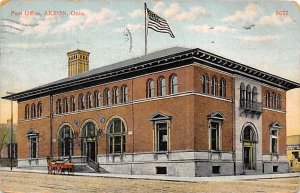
[
  {"x": 216, "y": 169},
  {"x": 275, "y": 168},
  {"x": 161, "y": 170}
]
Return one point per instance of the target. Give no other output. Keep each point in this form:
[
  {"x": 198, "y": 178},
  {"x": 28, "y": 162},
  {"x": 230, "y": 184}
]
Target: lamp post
[{"x": 11, "y": 128}]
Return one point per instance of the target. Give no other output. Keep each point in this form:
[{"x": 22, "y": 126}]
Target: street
[{"x": 18, "y": 182}]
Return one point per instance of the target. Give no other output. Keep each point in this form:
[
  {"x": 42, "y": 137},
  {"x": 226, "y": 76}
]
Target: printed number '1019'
[{"x": 281, "y": 12}]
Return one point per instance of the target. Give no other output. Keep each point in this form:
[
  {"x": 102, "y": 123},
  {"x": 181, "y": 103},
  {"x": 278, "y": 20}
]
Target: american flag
[{"x": 158, "y": 24}]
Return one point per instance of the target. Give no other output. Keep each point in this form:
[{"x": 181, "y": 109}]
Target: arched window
[
  {"x": 242, "y": 96},
  {"x": 248, "y": 96},
  {"x": 97, "y": 98},
  {"x": 65, "y": 141},
  {"x": 81, "y": 101},
  {"x": 150, "y": 88},
  {"x": 254, "y": 94},
  {"x": 58, "y": 107},
  {"x": 116, "y": 96},
  {"x": 89, "y": 133},
  {"x": 27, "y": 111},
  {"x": 222, "y": 88},
  {"x": 205, "y": 84},
  {"x": 33, "y": 111},
  {"x": 249, "y": 134},
  {"x": 214, "y": 86},
  {"x": 39, "y": 109},
  {"x": 72, "y": 104},
  {"x": 279, "y": 102},
  {"x": 274, "y": 100},
  {"x": 124, "y": 91},
  {"x": 106, "y": 96},
  {"x": 161, "y": 86},
  {"x": 173, "y": 84},
  {"x": 89, "y": 101},
  {"x": 267, "y": 99},
  {"x": 116, "y": 136},
  {"x": 65, "y": 105}
]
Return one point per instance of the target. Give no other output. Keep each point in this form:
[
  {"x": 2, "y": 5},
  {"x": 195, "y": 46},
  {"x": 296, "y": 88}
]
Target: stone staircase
[{"x": 84, "y": 164}]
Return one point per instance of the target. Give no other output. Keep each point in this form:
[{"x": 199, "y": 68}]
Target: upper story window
[
  {"x": 65, "y": 105},
  {"x": 267, "y": 99},
  {"x": 248, "y": 96},
  {"x": 97, "y": 98},
  {"x": 279, "y": 102},
  {"x": 33, "y": 111},
  {"x": 89, "y": 101},
  {"x": 254, "y": 94},
  {"x": 116, "y": 96},
  {"x": 106, "y": 97},
  {"x": 81, "y": 102},
  {"x": 173, "y": 84},
  {"x": 124, "y": 91},
  {"x": 274, "y": 100},
  {"x": 58, "y": 107},
  {"x": 161, "y": 86},
  {"x": 72, "y": 104},
  {"x": 222, "y": 92},
  {"x": 27, "y": 112},
  {"x": 39, "y": 109},
  {"x": 150, "y": 88},
  {"x": 214, "y": 86},
  {"x": 242, "y": 95},
  {"x": 205, "y": 84}
]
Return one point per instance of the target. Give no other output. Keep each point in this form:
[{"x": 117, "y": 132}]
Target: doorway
[
  {"x": 91, "y": 150},
  {"x": 249, "y": 153}
]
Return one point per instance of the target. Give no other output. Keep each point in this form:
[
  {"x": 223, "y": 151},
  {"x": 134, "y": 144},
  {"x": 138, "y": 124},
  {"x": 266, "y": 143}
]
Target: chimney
[{"x": 78, "y": 62}]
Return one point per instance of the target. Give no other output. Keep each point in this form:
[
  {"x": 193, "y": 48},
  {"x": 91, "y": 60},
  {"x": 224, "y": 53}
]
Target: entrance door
[
  {"x": 248, "y": 156},
  {"x": 91, "y": 150}
]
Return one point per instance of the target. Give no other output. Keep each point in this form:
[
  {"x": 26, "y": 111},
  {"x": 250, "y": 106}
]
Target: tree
[{"x": 4, "y": 138}]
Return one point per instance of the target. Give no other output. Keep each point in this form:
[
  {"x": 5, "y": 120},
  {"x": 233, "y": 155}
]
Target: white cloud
[
  {"x": 137, "y": 13},
  {"x": 132, "y": 28},
  {"x": 35, "y": 45},
  {"x": 260, "y": 39},
  {"x": 174, "y": 12},
  {"x": 210, "y": 29},
  {"x": 274, "y": 20},
  {"x": 247, "y": 15},
  {"x": 43, "y": 26},
  {"x": 158, "y": 7}
]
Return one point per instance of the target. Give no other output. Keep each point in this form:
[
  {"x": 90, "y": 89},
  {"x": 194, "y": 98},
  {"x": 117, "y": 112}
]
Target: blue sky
[{"x": 33, "y": 48}]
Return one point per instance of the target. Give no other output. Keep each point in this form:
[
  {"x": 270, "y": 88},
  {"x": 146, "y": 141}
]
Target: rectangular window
[
  {"x": 162, "y": 137},
  {"x": 33, "y": 148},
  {"x": 161, "y": 170},
  {"x": 274, "y": 146},
  {"x": 275, "y": 168},
  {"x": 216, "y": 169},
  {"x": 214, "y": 136}
]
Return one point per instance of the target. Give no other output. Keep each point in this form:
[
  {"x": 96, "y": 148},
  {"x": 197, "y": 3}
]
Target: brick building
[{"x": 179, "y": 111}]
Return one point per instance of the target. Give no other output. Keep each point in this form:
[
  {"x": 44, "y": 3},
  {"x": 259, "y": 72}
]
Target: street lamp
[{"x": 11, "y": 128}]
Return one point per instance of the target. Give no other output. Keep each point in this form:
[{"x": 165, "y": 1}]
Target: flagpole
[{"x": 145, "y": 29}]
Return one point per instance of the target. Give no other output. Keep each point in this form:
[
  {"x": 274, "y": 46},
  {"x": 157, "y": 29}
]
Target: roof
[{"x": 156, "y": 59}]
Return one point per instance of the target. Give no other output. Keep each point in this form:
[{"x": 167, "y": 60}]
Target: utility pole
[{"x": 11, "y": 129}]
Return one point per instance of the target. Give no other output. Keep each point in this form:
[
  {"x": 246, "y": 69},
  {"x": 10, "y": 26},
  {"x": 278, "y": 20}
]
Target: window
[
  {"x": 173, "y": 84},
  {"x": 116, "y": 96},
  {"x": 33, "y": 111},
  {"x": 124, "y": 90},
  {"x": 81, "y": 101},
  {"x": 116, "y": 136},
  {"x": 249, "y": 134},
  {"x": 274, "y": 140},
  {"x": 162, "y": 136},
  {"x": 216, "y": 169},
  {"x": 254, "y": 94},
  {"x": 58, "y": 107},
  {"x": 205, "y": 84},
  {"x": 279, "y": 102},
  {"x": 72, "y": 104},
  {"x": 150, "y": 88},
  {"x": 242, "y": 96},
  {"x": 214, "y": 86},
  {"x": 161, "y": 170},
  {"x": 65, "y": 105},
  {"x": 161, "y": 86},
  {"x": 97, "y": 98},
  {"x": 33, "y": 147},
  {"x": 27, "y": 111},
  {"x": 39, "y": 109},
  {"x": 267, "y": 99},
  {"x": 106, "y": 96},
  {"x": 89, "y": 97},
  {"x": 65, "y": 141},
  {"x": 222, "y": 88},
  {"x": 248, "y": 96},
  {"x": 273, "y": 100},
  {"x": 214, "y": 135}
]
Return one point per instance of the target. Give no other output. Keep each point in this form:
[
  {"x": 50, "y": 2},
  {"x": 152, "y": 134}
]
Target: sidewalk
[{"x": 169, "y": 178}]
